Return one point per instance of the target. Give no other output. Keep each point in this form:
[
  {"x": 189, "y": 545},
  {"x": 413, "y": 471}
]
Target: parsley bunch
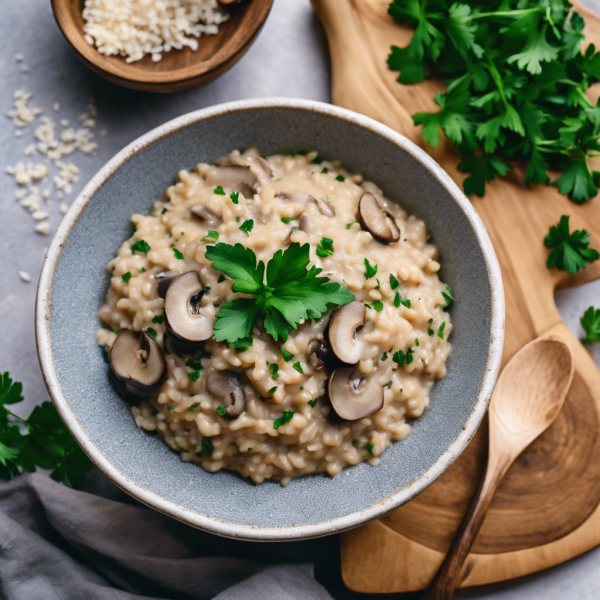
[
  {"x": 288, "y": 294},
  {"x": 41, "y": 440},
  {"x": 517, "y": 83},
  {"x": 570, "y": 251}
]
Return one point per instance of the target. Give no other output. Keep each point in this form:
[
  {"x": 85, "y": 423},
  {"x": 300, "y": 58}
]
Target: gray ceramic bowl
[{"x": 74, "y": 281}]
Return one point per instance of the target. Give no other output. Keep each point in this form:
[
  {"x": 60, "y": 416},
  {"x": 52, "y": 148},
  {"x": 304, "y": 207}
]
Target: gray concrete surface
[{"x": 290, "y": 58}]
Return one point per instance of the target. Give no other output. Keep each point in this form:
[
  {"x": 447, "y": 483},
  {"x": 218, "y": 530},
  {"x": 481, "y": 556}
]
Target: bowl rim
[
  {"x": 255, "y": 16},
  {"x": 204, "y": 522}
]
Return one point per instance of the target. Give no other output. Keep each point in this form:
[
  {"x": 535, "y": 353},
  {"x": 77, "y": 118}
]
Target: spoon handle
[{"x": 447, "y": 578}]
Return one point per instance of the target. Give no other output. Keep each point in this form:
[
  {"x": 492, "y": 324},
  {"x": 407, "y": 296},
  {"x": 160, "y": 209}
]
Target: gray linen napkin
[{"x": 62, "y": 544}]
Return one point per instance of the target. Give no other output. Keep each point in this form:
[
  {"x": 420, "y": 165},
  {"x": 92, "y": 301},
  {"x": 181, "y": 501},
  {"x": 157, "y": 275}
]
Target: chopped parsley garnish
[
  {"x": 399, "y": 358},
  {"x": 285, "y": 418},
  {"x": 272, "y": 390},
  {"x": 206, "y": 289},
  {"x": 394, "y": 283},
  {"x": 151, "y": 332},
  {"x": 325, "y": 247},
  {"x": 247, "y": 226},
  {"x": 169, "y": 408},
  {"x": 243, "y": 343},
  {"x": 389, "y": 385},
  {"x": 126, "y": 276},
  {"x": 441, "y": 330},
  {"x": 169, "y": 234},
  {"x": 158, "y": 319},
  {"x": 340, "y": 178},
  {"x": 313, "y": 402},
  {"x": 324, "y": 170},
  {"x": 370, "y": 449},
  {"x": 193, "y": 407},
  {"x": 417, "y": 341},
  {"x": 274, "y": 374},
  {"x": 571, "y": 250},
  {"x": 178, "y": 255},
  {"x": 430, "y": 331},
  {"x": 194, "y": 363},
  {"x": 206, "y": 447},
  {"x": 367, "y": 305},
  {"x": 448, "y": 296},
  {"x": 221, "y": 278},
  {"x": 141, "y": 246},
  {"x": 288, "y": 293},
  {"x": 378, "y": 305},
  {"x": 317, "y": 160},
  {"x": 591, "y": 325},
  {"x": 348, "y": 225},
  {"x": 40, "y": 440},
  {"x": 194, "y": 375},
  {"x": 301, "y": 152},
  {"x": 516, "y": 82},
  {"x": 398, "y": 301},
  {"x": 424, "y": 362},
  {"x": 142, "y": 270},
  {"x": 287, "y": 356},
  {"x": 221, "y": 410},
  {"x": 355, "y": 443},
  {"x": 235, "y": 197},
  {"x": 114, "y": 328},
  {"x": 211, "y": 236},
  {"x": 409, "y": 356},
  {"x": 288, "y": 219},
  {"x": 219, "y": 191},
  {"x": 370, "y": 270},
  {"x": 298, "y": 367},
  {"x": 163, "y": 211},
  {"x": 384, "y": 356},
  {"x": 154, "y": 411}
]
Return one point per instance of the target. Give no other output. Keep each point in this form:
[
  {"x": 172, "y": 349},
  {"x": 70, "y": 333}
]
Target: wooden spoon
[
  {"x": 178, "y": 69},
  {"x": 528, "y": 397}
]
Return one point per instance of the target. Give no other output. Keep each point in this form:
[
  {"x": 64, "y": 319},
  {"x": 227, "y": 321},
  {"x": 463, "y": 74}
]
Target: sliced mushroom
[
  {"x": 245, "y": 190},
  {"x": 343, "y": 327},
  {"x": 206, "y": 215},
  {"x": 377, "y": 221},
  {"x": 164, "y": 279},
  {"x": 230, "y": 176},
  {"x": 227, "y": 387},
  {"x": 353, "y": 396},
  {"x": 317, "y": 355},
  {"x": 304, "y": 198},
  {"x": 305, "y": 224},
  {"x": 182, "y": 309},
  {"x": 138, "y": 362}
]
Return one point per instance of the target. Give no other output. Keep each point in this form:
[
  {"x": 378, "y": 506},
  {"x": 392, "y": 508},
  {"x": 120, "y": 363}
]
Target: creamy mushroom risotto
[{"x": 277, "y": 316}]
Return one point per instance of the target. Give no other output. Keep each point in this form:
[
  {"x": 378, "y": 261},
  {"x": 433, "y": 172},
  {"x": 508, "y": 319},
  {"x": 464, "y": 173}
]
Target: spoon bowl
[
  {"x": 178, "y": 69},
  {"x": 529, "y": 394}
]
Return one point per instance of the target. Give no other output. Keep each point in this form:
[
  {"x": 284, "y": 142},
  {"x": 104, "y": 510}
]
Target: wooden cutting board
[{"x": 546, "y": 510}]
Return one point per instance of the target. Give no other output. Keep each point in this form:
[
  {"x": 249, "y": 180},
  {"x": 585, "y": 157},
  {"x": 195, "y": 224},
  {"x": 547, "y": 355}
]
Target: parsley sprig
[
  {"x": 517, "y": 83},
  {"x": 41, "y": 440},
  {"x": 571, "y": 251},
  {"x": 287, "y": 294},
  {"x": 591, "y": 325}
]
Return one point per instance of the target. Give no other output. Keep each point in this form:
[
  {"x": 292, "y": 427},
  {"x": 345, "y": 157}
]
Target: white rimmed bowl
[{"x": 74, "y": 281}]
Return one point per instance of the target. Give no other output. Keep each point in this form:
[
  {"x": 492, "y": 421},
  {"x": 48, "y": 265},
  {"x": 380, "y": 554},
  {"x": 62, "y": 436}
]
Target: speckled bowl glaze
[{"x": 74, "y": 281}]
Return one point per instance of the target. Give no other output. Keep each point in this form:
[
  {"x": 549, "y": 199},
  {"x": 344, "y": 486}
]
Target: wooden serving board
[{"x": 546, "y": 510}]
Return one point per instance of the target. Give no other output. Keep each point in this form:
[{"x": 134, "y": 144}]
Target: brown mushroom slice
[
  {"x": 304, "y": 198},
  {"x": 343, "y": 327},
  {"x": 138, "y": 362},
  {"x": 317, "y": 355},
  {"x": 164, "y": 279},
  {"x": 227, "y": 387},
  {"x": 377, "y": 221},
  {"x": 245, "y": 190},
  {"x": 305, "y": 224},
  {"x": 353, "y": 396},
  {"x": 182, "y": 309},
  {"x": 230, "y": 176},
  {"x": 206, "y": 215}
]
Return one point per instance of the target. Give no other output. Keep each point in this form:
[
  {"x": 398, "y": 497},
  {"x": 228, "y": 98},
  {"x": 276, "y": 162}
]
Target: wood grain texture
[
  {"x": 546, "y": 509},
  {"x": 178, "y": 70}
]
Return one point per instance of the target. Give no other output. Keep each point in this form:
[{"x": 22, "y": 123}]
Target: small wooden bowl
[{"x": 178, "y": 69}]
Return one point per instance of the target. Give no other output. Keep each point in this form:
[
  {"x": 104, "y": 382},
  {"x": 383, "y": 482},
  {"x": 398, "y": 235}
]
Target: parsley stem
[
  {"x": 12, "y": 414},
  {"x": 507, "y": 13}
]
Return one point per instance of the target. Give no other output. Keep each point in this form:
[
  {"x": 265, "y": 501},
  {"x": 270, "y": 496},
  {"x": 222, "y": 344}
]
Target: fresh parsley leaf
[
  {"x": 298, "y": 367},
  {"x": 126, "y": 276},
  {"x": 399, "y": 358},
  {"x": 178, "y": 254},
  {"x": 570, "y": 250},
  {"x": 285, "y": 418},
  {"x": 141, "y": 246},
  {"x": 288, "y": 219},
  {"x": 398, "y": 301},
  {"x": 313, "y": 402},
  {"x": 247, "y": 226},
  {"x": 325, "y": 247},
  {"x": 158, "y": 319},
  {"x": 164, "y": 210},
  {"x": 272, "y": 390},
  {"x": 274, "y": 374},
  {"x": 235, "y": 197},
  {"x": 591, "y": 325},
  {"x": 206, "y": 447},
  {"x": 194, "y": 363},
  {"x": 370, "y": 449},
  {"x": 151, "y": 332},
  {"x": 211, "y": 236},
  {"x": 221, "y": 410},
  {"x": 324, "y": 170},
  {"x": 370, "y": 270},
  {"x": 384, "y": 356},
  {"x": 448, "y": 296},
  {"x": 340, "y": 178},
  {"x": 440, "y": 331},
  {"x": 378, "y": 305},
  {"x": 287, "y": 356},
  {"x": 239, "y": 263},
  {"x": 242, "y": 344},
  {"x": 348, "y": 225},
  {"x": 393, "y": 282},
  {"x": 317, "y": 160},
  {"x": 219, "y": 191}
]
